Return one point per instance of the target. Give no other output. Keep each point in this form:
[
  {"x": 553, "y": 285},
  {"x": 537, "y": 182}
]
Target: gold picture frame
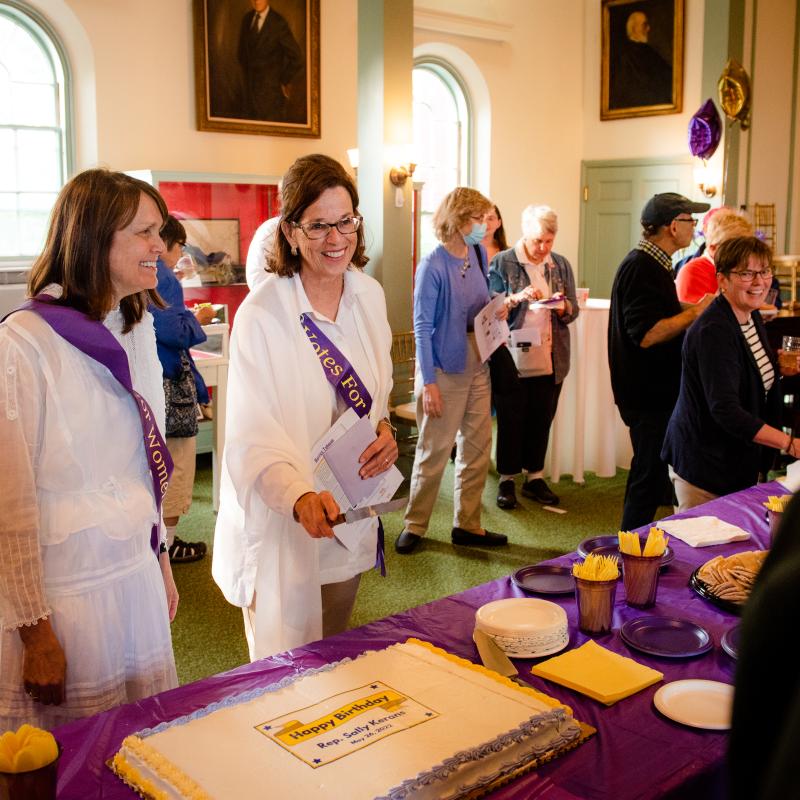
[
  {"x": 641, "y": 58},
  {"x": 257, "y": 74}
]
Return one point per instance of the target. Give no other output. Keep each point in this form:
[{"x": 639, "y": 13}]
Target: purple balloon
[{"x": 705, "y": 130}]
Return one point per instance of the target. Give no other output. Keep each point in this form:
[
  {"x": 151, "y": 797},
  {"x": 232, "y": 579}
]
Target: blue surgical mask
[{"x": 475, "y": 236}]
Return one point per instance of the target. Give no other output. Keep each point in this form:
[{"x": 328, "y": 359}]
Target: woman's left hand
[
  {"x": 380, "y": 455},
  {"x": 502, "y": 312},
  {"x": 169, "y": 585}
]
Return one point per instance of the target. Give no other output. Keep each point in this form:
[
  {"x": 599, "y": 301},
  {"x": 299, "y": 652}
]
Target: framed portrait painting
[
  {"x": 642, "y": 58},
  {"x": 257, "y": 66}
]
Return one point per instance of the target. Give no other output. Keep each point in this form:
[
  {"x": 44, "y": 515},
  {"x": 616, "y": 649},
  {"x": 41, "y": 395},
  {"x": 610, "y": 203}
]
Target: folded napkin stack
[
  {"x": 792, "y": 478},
  {"x": 704, "y": 531},
  {"x": 594, "y": 671}
]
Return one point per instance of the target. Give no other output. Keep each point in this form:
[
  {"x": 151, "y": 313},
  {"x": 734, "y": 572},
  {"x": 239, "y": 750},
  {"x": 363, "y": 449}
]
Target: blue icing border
[{"x": 442, "y": 771}]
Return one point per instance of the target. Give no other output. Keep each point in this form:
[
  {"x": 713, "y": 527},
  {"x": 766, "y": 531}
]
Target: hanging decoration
[
  {"x": 705, "y": 131},
  {"x": 734, "y": 93}
]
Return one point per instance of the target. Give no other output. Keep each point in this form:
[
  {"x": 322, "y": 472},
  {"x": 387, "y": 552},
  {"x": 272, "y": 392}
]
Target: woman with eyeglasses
[
  {"x": 722, "y": 435},
  {"x": 452, "y": 383},
  {"x": 310, "y": 343}
]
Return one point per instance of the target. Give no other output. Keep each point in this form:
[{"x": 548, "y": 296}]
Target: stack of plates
[{"x": 524, "y": 627}]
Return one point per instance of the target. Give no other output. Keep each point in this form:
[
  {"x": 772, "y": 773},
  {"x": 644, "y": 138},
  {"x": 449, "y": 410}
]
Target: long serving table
[{"x": 636, "y": 754}]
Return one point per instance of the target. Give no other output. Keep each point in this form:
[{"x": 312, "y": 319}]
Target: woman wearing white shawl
[{"x": 274, "y": 551}]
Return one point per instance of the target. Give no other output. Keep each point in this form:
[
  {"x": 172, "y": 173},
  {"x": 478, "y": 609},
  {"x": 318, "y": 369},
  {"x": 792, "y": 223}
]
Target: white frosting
[{"x": 450, "y": 747}]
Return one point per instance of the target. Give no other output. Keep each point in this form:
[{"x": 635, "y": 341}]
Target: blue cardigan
[
  {"x": 721, "y": 405},
  {"x": 176, "y": 329},
  {"x": 446, "y": 301},
  {"x": 508, "y": 276}
]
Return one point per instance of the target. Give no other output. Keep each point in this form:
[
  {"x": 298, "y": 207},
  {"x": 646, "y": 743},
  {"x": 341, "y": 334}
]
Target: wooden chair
[
  {"x": 764, "y": 222},
  {"x": 402, "y": 403}
]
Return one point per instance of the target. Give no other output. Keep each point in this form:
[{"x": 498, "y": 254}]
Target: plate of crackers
[{"x": 726, "y": 581}]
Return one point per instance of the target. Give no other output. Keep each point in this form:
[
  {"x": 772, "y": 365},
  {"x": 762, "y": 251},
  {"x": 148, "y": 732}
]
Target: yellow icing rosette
[{"x": 27, "y": 749}]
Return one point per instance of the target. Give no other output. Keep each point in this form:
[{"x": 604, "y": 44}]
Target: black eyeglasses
[
  {"x": 748, "y": 275},
  {"x": 319, "y": 230},
  {"x": 686, "y": 219}
]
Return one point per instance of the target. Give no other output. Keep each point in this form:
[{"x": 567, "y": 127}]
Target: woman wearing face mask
[
  {"x": 527, "y": 272},
  {"x": 452, "y": 385}
]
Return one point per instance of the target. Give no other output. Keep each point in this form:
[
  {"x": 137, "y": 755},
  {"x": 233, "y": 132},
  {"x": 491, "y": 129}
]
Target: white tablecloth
[{"x": 588, "y": 433}]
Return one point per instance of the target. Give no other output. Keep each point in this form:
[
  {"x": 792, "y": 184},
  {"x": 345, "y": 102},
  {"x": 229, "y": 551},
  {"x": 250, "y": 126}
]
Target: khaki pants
[
  {"x": 466, "y": 420},
  {"x": 687, "y": 493}
]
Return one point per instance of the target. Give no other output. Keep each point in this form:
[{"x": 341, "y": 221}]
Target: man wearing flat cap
[{"x": 645, "y": 334}]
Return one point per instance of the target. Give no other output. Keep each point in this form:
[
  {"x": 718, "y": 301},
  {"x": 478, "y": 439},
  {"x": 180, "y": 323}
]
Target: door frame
[{"x": 586, "y": 165}]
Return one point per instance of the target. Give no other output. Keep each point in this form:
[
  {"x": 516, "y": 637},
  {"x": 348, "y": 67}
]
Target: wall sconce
[
  {"x": 704, "y": 179},
  {"x": 399, "y": 175}
]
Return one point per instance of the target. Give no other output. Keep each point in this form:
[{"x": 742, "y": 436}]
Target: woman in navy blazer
[{"x": 719, "y": 437}]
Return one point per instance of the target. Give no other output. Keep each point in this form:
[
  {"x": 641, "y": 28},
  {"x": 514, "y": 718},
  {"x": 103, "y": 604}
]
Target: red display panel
[{"x": 249, "y": 203}]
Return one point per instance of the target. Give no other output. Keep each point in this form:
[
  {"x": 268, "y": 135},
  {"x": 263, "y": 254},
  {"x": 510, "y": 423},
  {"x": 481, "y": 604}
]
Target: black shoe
[
  {"x": 487, "y": 539},
  {"x": 181, "y": 552},
  {"x": 539, "y": 491},
  {"x": 506, "y": 496},
  {"x": 406, "y": 542}
]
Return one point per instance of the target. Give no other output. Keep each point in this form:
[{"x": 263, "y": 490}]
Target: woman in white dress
[
  {"x": 85, "y": 603},
  {"x": 275, "y": 554}
]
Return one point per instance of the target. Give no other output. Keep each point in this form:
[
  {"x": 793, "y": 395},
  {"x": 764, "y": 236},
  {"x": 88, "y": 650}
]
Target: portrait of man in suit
[
  {"x": 257, "y": 66},
  {"x": 269, "y": 58}
]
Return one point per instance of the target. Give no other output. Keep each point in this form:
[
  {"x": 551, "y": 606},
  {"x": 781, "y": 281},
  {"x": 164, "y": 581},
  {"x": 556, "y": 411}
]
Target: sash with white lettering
[
  {"x": 337, "y": 369},
  {"x": 350, "y": 388},
  {"x": 96, "y": 341}
]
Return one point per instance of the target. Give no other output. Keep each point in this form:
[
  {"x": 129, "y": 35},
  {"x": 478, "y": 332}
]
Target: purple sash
[
  {"x": 350, "y": 388},
  {"x": 96, "y": 341},
  {"x": 337, "y": 369}
]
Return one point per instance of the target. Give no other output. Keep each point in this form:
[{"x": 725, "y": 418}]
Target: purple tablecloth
[{"x": 636, "y": 753}]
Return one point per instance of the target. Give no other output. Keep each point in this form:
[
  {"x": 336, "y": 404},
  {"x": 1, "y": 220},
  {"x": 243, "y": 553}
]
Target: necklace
[{"x": 465, "y": 266}]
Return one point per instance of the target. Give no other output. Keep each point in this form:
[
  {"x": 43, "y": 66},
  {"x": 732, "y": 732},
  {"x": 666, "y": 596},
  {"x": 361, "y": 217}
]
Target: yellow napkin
[{"x": 594, "y": 671}]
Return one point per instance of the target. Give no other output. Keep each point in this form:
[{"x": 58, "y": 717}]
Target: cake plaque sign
[{"x": 344, "y": 723}]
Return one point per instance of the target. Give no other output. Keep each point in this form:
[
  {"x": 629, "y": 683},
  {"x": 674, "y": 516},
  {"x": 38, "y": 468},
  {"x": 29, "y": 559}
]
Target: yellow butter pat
[{"x": 27, "y": 749}]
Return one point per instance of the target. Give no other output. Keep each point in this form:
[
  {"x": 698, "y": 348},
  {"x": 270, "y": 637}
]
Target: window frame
[{"x": 38, "y": 27}]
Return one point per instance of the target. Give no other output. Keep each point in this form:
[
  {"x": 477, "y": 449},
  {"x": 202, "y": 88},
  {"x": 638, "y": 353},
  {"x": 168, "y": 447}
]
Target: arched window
[
  {"x": 33, "y": 135},
  {"x": 442, "y": 137}
]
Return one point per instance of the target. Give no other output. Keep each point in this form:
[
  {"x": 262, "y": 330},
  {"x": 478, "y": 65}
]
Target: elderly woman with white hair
[{"x": 527, "y": 273}]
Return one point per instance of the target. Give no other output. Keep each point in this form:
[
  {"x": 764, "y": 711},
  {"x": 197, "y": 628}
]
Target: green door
[{"x": 614, "y": 193}]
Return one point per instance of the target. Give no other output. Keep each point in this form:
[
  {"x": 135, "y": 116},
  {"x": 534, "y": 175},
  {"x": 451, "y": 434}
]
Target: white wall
[
  {"x": 643, "y": 136},
  {"x": 534, "y": 79},
  {"x": 141, "y": 65}
]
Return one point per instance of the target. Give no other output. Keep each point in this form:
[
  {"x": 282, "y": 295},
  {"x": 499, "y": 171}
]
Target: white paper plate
[
  {"x": 698, "y": 703},
  {"x": 525, "y": 627}
]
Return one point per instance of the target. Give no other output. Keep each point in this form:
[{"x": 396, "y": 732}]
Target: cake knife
[
  {"x": 494, "y": 658},
  {"x": 355, "y": 514}
]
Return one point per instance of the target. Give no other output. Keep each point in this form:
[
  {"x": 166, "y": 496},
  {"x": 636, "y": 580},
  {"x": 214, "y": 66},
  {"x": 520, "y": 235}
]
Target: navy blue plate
[
  {"x": 609, "y": 546},
  {"x": 545, "y": 579},
  {"x": 669, "y": 637},
  {"x": 730, "y": 641}
]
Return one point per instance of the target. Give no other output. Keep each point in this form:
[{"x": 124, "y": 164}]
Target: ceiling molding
[{"x": 458, "y": 25}]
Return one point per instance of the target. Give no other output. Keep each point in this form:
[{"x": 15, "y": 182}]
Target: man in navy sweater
[{"x": 645, "y": 334}]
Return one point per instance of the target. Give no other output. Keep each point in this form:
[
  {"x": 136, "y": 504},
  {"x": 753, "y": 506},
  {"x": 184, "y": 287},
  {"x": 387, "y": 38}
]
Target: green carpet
[{"x": 208, "y": 635}]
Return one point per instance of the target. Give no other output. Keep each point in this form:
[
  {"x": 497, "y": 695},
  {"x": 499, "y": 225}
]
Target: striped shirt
[{"x": 762, "y": 359}]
